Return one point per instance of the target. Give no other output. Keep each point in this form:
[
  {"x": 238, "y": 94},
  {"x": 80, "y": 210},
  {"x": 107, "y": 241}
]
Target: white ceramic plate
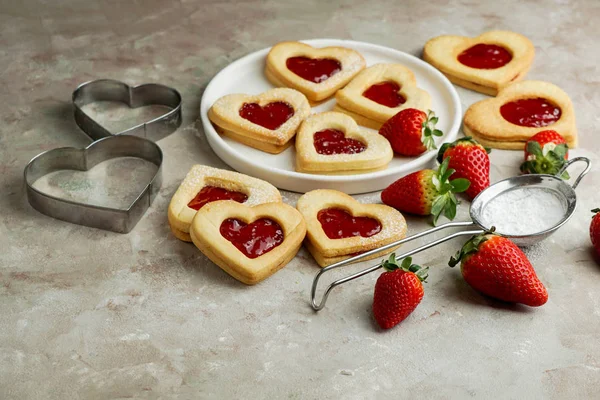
[{"x": 246, "y": 76}]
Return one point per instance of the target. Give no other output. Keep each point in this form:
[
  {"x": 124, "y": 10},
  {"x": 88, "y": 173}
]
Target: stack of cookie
[
  {"x": 330, "y": 142},
  {"x": 495, "y": 63},
  {"x": 241, "y": 224}
]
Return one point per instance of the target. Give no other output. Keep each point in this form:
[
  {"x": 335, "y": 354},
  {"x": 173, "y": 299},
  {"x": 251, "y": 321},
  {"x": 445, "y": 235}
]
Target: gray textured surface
[{"x": 93, "y": 314}]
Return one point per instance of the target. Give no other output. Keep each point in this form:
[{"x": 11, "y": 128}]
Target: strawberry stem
[
  {"x": 429, "y": 131},
  {"x": 547, "y": 160},
  {"x": 446, "y": 201},
  {"x": 446, "y": 146},
  {"x": 471, "y": 246},
  {"x": 391, "y": 264}
]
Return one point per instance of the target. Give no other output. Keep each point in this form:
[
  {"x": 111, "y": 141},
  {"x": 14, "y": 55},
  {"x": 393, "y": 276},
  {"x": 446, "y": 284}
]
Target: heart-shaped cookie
[
  {"x": 102, "y": 217},
  {"x": 380, "y": 92},
  {"x": 339, "y": 227},
  {"x": 134, "y": 96},
  {"x": 267, "y": 121},
  {"x": 204, "y": 184},
  {"x": 520, "y": 111},
  {"x": 318, "y": 73},
  {"x": 249, "y": 243},
  {"x": 332, "y": 143},
  {"x": 485, "y": 63}
]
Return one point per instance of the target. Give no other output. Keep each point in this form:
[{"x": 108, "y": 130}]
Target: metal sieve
[{"x": 553, "y": 183}]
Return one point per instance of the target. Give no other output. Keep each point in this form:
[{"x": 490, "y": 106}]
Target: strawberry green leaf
[
  {"x": 460, "y": 185},
  {"x": 429, "y": 131},
  {"x": 450, "y": 208},
  {"x": 422, "y": 274},
  {"x": 391, "y": 264},
  {"x": 440, "y": 155},
  {"x": 443, "y": 166},
  {"x": 534, "y": 148},
  {"x": 560, "y": 150},
  {"x": 550, "y": 163},
  {"x": 470, "y": 247},
  {"x": 438, "y": 205},
  {"x": 446, "y": 202},
  {"x": 447, "y": 174},
  {"x": 596, "y": 210}
]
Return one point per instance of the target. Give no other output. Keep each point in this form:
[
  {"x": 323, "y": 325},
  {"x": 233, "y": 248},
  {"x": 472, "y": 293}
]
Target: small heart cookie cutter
[
  {"x": 134, "y": 96},
  {"x": 113, "y": 219}
]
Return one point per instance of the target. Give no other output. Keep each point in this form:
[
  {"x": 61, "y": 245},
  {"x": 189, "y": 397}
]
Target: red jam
[
  {"x": 209, "y": 194},
  {"x": 533, "y": 113},
  {"x": 385, "y": 93},
  {"x": 485, "y": 56},
  {"x": 332, "y": 141},
  {"x": 271, "y": 116},
  {"x": 339, "y": 224},
  {"x": 315, "y": 70},
  {"x": 255, "y": 239}
]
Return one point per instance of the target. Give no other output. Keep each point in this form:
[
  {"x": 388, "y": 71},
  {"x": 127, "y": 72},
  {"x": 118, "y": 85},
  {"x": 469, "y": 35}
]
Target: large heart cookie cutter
[
  {"x": 134, "y": 96},
  {"x": 113, "y": 219}
]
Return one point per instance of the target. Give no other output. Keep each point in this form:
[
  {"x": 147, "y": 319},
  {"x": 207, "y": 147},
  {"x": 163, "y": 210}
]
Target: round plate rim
[{"x": 214, "y": 139}]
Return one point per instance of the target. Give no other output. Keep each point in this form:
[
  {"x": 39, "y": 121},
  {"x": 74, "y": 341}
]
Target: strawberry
[
  {"x": 426, "y": 192},
  {"x": 545, "y": 153},
  {"x": 595, "y": 230},
  {"x": 496, "y": 267},
  {"x": 470, "y": 160},
  {"x": 411, "y": 131},
  {"x": 398, "y": 291}
]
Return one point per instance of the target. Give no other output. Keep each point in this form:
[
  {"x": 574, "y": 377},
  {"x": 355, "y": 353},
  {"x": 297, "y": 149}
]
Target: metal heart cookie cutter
[
  {"x": 113, "y": 219},
  {"x": 134, "y": 96},
  {"x": 564, "y": 192},
  {"x": 132, "y": 142}
]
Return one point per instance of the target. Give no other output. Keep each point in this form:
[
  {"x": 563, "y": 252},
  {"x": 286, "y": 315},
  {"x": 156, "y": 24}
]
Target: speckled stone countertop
[{"x": 91, "y": 314}]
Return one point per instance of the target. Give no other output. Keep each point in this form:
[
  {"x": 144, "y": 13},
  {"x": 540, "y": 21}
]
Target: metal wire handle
[
  {"x": 319, "y": 306},
  {"x": 582, "y": 174}
]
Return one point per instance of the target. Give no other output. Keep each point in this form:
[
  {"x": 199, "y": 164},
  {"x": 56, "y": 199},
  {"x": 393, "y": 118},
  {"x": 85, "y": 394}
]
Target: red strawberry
[
  {"x": 411, "y": 131},
  {"x": 398, "y": 291},
  {"x": 545, "y": 153},
  {"x": 470, "y": 160},
  {"x": 595, "y": 230},
  {"x": 426, "y": 192},
  {"x": 496, "y": 267}
]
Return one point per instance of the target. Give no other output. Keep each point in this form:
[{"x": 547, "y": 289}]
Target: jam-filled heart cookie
[
  {"x": 249, "y": 243},
  {"x": 339, "y": 227},
  {"x": 203, "y": 185},
  {"x": 380, "y": 92},
  {"x": 318, "y": 73},
  {"x": 520, "y": 111},
  {"x": 485, "y": 63},
  {"x": 267, "y": 122},
  {"x": 332, "y": 143}
]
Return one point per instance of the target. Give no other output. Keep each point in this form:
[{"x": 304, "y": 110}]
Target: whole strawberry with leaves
[
  {"x": 496, "y": 267},
  {"x": 546, "y": 152},
  {"x": 426, "y": 192},
  {"x": 470, "y": 160},
  {"x": 411, "y": 132},
  {"x": 398, "y": 291},
  {"x": 595, "y": 230}
]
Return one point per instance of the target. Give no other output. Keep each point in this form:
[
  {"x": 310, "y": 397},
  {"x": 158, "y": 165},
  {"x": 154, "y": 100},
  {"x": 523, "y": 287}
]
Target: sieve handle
[
  {"x": 319, "y": 306},
  {"x": 582, "y": 174}
]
